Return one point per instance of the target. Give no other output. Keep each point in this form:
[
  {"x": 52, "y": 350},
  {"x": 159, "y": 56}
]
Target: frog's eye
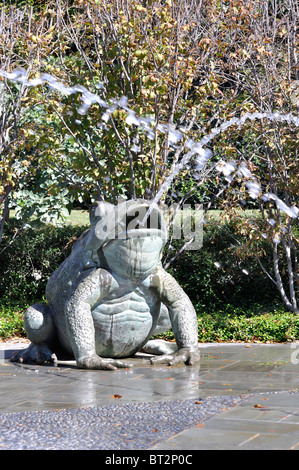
[
  {"x": 141, "y": 219},
  {"x": 99, "y": 210},
  {"x": 132, "y": 221}
]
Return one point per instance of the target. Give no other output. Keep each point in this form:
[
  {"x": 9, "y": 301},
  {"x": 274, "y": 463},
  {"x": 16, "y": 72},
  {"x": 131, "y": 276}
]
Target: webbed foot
[{"x": 36, "y": 354}]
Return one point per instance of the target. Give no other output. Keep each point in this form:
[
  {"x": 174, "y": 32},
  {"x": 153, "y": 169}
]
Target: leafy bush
[
  {"x": 27, "y": 263},
  {"x": 231, "y": 305},
  {"x": 278, "y": 326},
  {"x": 11, "y": 320},
  {"x": 220, "y": 326},
  {"x": 216, "y": 276}
]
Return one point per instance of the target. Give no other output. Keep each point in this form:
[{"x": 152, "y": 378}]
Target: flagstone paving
[{"x": 240, "y": 396}]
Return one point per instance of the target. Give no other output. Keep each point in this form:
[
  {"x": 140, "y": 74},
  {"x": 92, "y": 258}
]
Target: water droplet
[
  {"x": 254, "y": 188},
  {"x": 132, "y": 119}
]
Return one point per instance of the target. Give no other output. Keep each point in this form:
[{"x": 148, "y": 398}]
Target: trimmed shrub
[
  {"x": 215, "y": 276},
  {"x": 27, "y": 263},
  {"x": 232, "y": 305}
]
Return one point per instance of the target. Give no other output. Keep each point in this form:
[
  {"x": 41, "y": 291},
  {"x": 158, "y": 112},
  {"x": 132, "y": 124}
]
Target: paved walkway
[{"x": 241, "y": 396}]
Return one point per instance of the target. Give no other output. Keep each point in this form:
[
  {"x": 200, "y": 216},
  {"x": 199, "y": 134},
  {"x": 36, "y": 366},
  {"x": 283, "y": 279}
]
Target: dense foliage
[
  {"x": 233, "y": 300},
  {"x": 181, "y": 68}
]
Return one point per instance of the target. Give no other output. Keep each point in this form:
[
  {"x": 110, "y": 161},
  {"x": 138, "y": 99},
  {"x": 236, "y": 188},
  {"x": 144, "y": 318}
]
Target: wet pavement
[{"x": 240, "y": 396}]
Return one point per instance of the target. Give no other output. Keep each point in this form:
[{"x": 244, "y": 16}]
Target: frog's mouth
[
  {"x": 137, "y": 243},
  {"x": 134, "y": 256},
  {"x": 137, "y": 221},
  {"x": 142, "y": 221}
]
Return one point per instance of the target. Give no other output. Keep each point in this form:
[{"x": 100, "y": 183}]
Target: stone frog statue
[{"x": 111, "y": 294}]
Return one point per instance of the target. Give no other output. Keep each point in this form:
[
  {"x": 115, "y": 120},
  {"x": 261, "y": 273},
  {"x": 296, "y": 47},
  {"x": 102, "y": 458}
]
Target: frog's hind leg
[
  {"x": 159, "y": 347},
  {"x": 41, "y": 331}
]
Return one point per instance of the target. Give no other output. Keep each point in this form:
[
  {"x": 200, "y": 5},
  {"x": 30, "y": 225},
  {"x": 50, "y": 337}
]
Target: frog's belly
[{"x": 121, "y": 333}]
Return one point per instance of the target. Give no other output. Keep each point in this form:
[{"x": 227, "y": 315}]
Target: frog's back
[{"x": 63, "y": 281}]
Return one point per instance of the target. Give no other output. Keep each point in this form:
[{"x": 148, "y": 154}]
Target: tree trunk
[
  {"x": 5, "y": 211},
  {"x": 292, "y": 306}
]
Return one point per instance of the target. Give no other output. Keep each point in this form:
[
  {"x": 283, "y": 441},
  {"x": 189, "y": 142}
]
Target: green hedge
[
  {"x": 278, "y": 326},
  {"x": 237, "y": 283},
  {"x": 231, "y": 305},
  {"x": 27, "y": 263}
]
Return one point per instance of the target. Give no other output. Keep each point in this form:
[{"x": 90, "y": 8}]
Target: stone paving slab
[
  {"x": 209, "y": 406},
  {"x": 262, "y": 422}
]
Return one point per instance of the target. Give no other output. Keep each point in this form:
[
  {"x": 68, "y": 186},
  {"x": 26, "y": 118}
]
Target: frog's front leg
[
  {"x": 182, "y": 316},
  {"x": 188, "y": 356},
  {"x": 80, "y": 323}
]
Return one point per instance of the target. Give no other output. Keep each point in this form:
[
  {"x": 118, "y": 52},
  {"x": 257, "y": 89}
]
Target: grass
[
  {"x": 216, "y": 214},
  {"x": 81, "y": 217},
  {"x": 78, "y": 217}
]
